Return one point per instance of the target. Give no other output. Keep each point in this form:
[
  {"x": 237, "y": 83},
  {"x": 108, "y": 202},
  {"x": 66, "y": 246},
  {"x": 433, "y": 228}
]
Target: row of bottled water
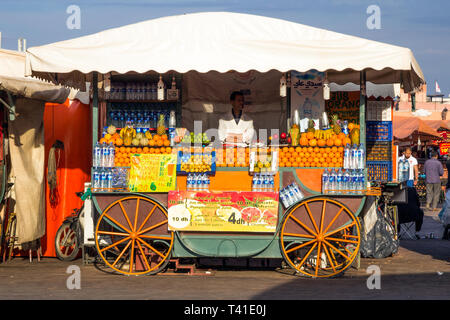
[
  {"x": 137, "y": 118},
  {"x": 403, "y": 170},
  {"x": 337, "y": 182},
  {"x": 198, "y": 182},
  {"x": 103, "y": 178},
  {"x": 354, "y": 157},
  {"x": 103, "y": 155},
  {"x": 133, "y": 91},
  {"x": 291, "y": 195},
  {"x": 263, "y": 182}
]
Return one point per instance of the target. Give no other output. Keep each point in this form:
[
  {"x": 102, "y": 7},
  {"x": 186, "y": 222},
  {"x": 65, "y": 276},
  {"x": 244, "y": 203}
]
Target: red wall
[{"x": 71, "y": 124}]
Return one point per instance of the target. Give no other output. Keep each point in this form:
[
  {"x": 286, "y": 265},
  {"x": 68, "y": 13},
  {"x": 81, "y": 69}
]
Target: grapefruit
[{"x": 251, "y": 214}]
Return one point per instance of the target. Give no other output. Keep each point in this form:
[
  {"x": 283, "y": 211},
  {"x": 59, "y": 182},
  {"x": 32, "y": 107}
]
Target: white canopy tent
[
  {"x": 222, "y": 41},
  {"x": 372, "y": 90}
]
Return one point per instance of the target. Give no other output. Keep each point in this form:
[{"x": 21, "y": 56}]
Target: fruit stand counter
[{"x": 133, "y": 235}]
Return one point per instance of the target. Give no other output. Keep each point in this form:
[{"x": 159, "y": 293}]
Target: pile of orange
[
  {"x": 153, "y": 141},
  {"x": 115, "y": 139},
  {"x": 232, "y": 157},
  {"x": 310, "y": 157},
  {"x": 307, "y": 139},
  {"x": 159, "y": 141},
  {"x": 123, "y": 154}
]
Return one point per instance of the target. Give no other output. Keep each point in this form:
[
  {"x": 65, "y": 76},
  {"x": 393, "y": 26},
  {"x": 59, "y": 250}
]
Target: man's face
[
  {"x": 407, "y": 154},
  {"x": 238, "y": 102}
]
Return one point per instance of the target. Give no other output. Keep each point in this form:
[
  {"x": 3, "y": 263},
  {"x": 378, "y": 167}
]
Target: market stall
[{"x": 164, "y": 186}]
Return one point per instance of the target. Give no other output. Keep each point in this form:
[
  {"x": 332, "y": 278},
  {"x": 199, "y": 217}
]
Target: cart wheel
[
  {"x": 66, "y": 243},
  {"x": 320, "y": 237},
  {"x": 132, "y": 236}
]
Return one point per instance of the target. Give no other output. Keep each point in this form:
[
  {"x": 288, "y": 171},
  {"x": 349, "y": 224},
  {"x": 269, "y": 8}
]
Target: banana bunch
[{"x": 323, "y": 134}]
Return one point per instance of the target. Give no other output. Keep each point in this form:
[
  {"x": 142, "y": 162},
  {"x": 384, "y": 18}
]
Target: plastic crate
[
  {"x": 379, "y": 130},
  {"x": 213, "y": 163},
  {"x": 380, "y": 171},
  {"x": 379, "y": 151}
]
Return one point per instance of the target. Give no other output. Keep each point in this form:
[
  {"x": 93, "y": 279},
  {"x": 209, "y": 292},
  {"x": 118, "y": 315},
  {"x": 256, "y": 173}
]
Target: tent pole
[
  {"x": 94, "y": 109},
  {"x": 362, "y": 115}
]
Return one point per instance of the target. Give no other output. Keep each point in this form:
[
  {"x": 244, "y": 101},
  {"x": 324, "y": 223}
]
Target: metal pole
[
  {"x": 362, "y": 115},
  {"x": 94, "y": 109},
  {"x": 413, "y": 102}
]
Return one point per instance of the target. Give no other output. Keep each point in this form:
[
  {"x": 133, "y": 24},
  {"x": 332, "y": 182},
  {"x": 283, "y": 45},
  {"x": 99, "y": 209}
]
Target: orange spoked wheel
[
  {"x": 132, "y": 236},
  {"x": 320, "y": 237}
]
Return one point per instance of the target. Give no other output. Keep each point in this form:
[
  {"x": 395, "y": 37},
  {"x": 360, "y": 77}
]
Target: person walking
[{"x": 433, "y": 171}]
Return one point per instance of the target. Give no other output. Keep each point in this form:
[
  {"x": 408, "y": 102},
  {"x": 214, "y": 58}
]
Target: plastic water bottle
[
  {"x": 96, "y": 178},
  {"x": 103, "y": 178},
  {"x": 207, "y": 182},
  {"x": 172, "y": 124},
  {"x": 96, "y": 159},
  {"x": 347, "y": 157},
  {"x": 297, "y": 191},
  {"x": 199, "y": 182},
  {"x": 339, "y": 180},
  {"x": 254, "y": 182},
  {"x": 112, "y": 155},
  {"x": 189, "y": 182},
  {"x": 287, "y": 198},
  {"x": 258, "y": 183},
  {"x": 105, "y": 155},
  {"x": 406, "y": 169},
  {"x": 346, "y": 181},
  {"x": 332, "y": 182},
  {"x": 353, "y": 157},
  {"x": 109, "y": 178},
  {"x": 325, "y": 181},
  {"x": 284, "y": 199},
  {"x": 362, "y": 182},
  {"x": 361, "y": 152},
  {"x": 271, "y": 183},
  {"x": 265, "y": 183},
  {"x": 204, "y": 178},
  {"x": 293, "y": 194},
  {"x": 400, "y": 170},
  {"x": 354, "y": 185}
]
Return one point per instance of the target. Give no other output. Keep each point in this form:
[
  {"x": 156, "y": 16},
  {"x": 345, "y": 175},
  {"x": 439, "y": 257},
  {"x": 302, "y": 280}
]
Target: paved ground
[{"x": 421, "y": 270}]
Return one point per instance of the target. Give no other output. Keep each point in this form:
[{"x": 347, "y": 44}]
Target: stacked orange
[
  {"x": 232, "y": 157},
  {"x": 311, "y": 157},
  {"x": 159, "y": 141},
  {"x": 307, "y": 139},
  {"x": 115, "y": 139},
  {"x": 123, "y": 154}
]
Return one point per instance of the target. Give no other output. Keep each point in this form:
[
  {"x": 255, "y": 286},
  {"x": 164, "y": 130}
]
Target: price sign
[
  {"x": 223, "y": 211},
  {"x": 153, "y": 173}
]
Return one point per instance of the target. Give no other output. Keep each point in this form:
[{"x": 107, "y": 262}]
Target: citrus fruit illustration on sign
[
  {"x": 251, "y": 215},
  {"x": 269, "y": 218}
]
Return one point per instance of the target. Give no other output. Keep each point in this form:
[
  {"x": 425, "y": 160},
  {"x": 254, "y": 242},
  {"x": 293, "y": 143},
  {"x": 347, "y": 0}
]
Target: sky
[{"x": 422, "y": 26}]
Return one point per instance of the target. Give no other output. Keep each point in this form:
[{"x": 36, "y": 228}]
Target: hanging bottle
[{"x": 161, "y": 88}]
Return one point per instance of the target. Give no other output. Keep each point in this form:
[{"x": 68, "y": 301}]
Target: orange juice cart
[{"x": 156, "y": 216}]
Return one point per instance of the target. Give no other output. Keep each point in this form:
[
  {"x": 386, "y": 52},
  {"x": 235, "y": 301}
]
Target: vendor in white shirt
[{"x": 236, "y": 126}]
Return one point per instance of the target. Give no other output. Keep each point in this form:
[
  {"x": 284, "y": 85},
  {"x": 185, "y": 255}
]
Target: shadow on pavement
[{"x": 427, "y": 286}]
